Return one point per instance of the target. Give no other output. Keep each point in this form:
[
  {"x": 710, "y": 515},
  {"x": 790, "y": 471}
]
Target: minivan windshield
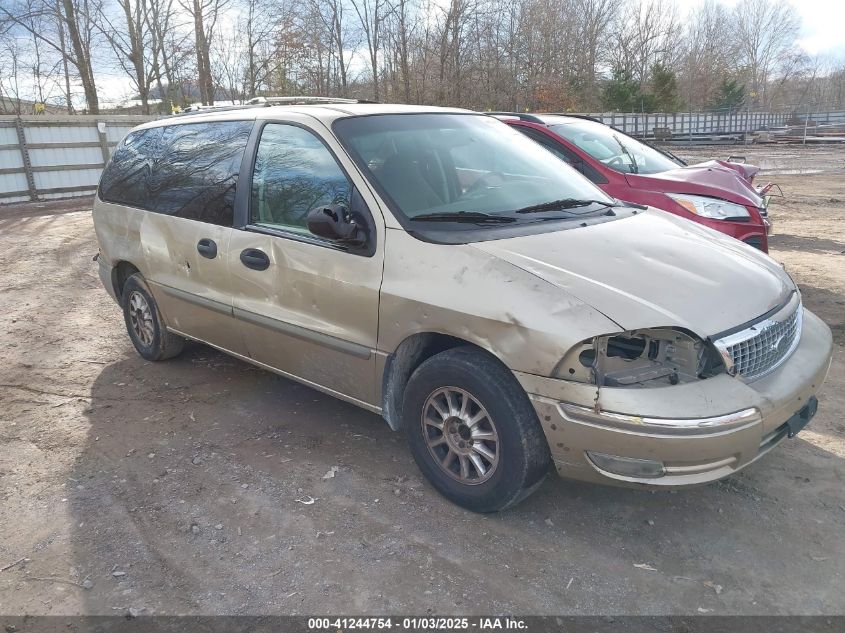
[
  {"x": 613, "y": 148},
  {"x": 466, "y": 168}
]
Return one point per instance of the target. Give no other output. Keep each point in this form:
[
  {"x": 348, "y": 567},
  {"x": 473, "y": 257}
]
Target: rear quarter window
[{"x": 188, "y": 170}]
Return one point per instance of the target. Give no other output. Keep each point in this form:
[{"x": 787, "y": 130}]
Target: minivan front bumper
[{"x": 679, "y": 435}]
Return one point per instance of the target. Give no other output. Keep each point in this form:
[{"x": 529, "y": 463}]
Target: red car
[{"x": 718, "y": 194}]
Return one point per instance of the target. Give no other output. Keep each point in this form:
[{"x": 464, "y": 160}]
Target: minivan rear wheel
[
  {"x": 472, "y": 431},
  {"x": 144, "y": 322}
]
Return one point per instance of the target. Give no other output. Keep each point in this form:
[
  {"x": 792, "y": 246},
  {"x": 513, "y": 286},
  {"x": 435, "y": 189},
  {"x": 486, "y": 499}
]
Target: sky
[
  {"x": 823, "y": 24},
  {"x": 823, "y": 31}
]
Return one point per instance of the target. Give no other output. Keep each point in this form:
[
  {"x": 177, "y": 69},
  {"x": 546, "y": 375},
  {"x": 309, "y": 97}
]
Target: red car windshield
[{"x": 613, "y": 148}]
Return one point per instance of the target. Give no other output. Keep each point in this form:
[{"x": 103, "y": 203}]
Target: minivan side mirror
[
  {"x": 334, "y": 222},
  {"x": 348, "y": 226}
]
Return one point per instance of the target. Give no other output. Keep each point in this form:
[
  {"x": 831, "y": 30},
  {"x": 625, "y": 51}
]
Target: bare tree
[
  {"x": 171, "y": 49},
  {"x": 765, "y": 32},
  {"x": 594, "y": 19},
  {"x": 399, "y": 29},
  {"x": 644, "y": 34},
  {"x": 264, "y": 22},
  {"x": 332, "y": 15},
  {"x": 130, "y": 38},
  {"x": 10, "y": 91},
  {"x": 548, "y": 55},
  {"x": 371, "y": 15},
  {"x": 205, "y": 14},
  {"x": 60, "y": 30},
  {"x": 709, "y": 53},
  {"x": 77, "y": 19}
]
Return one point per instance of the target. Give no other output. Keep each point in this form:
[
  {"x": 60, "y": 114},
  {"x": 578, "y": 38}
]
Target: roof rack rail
[
  {"x": 520, "y": 115},
  {"x": 265, "y": 102},
  {"x": 271, "y": 101},
  {"x": 208, "y": 109}
]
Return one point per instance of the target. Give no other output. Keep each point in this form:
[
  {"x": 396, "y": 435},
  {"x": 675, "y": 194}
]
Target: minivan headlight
[
  {"x": 654, "y": 357},
  {"x": 708, "y": 207}
]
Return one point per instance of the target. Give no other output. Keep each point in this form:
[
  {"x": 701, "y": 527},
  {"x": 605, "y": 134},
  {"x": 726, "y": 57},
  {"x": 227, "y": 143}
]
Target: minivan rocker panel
[{"x": 623, "y": 346}]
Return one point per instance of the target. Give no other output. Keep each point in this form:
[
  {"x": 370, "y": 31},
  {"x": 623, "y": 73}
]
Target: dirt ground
[{"x": 177, "y": 487}]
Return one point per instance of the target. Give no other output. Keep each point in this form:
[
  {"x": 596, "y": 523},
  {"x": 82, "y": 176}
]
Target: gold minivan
[{"x": 439, "y": 268}]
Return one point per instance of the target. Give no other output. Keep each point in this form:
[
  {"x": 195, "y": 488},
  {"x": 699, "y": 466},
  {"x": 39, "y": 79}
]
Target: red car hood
[
  {"x": 743, "y": 169},
  {"x": 705, "y": 179}
]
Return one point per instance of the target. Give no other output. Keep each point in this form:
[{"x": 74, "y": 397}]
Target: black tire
[
  {"x": 522, "y": 450},
  {"x": 152, "y": 341}
]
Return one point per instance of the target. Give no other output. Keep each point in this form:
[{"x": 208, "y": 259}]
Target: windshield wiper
[
  {"x": 471, "y": 217},
  {"x": 634, "y": 167},
  {"x": 565, "y": 203}
]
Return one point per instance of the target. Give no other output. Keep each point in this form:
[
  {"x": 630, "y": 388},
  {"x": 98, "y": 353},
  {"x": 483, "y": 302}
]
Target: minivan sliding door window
[{"x": 186, "y": 170}]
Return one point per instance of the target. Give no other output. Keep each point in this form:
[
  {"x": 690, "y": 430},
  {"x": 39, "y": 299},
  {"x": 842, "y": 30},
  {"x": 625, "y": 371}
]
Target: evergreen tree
[
  {"x": 664, "y": 89},
  {"x": 622, "y": 92},
  {"x": 731, "y": 94}
]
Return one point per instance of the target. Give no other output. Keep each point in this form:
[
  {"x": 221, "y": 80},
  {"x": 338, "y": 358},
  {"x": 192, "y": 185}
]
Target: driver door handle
[
  {"x": 255, "y": 259},
  {"x": 207, "y": 248}
]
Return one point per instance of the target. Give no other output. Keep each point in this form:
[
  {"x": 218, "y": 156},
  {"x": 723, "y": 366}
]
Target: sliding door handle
[{"x": 207, "y": 248}]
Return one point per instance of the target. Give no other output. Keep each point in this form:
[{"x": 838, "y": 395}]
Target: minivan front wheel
[
  {"x": 144, "y": 323},
  {"x": 460, "y": 435},
  {"x": 472, "y": 431}
]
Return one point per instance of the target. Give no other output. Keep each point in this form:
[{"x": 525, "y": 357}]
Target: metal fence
[
  {"x": 44, "y": 157},
  {"x": 696, "y": 124}
]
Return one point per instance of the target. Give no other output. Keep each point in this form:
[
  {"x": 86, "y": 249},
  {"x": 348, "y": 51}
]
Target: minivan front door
[{"x": 305, "y": 306}]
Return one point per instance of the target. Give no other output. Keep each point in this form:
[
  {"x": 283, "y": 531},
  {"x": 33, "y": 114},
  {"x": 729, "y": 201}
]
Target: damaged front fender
[{"x": 526, "y": 322}]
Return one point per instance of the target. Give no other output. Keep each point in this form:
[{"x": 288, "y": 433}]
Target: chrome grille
[{"x": 761, "y": 348}]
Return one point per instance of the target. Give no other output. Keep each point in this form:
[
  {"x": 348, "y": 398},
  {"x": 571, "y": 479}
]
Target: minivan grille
[{"x": 761, "y": 348}]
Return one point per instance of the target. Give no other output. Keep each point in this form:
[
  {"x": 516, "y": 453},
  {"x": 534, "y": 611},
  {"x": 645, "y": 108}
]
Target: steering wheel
[
  {"x": 483, "y": 182},
  {"x": 616, "y": 161}
]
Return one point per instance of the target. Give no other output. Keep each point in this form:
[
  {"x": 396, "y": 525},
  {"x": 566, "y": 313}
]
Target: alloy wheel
[
  {"x": 141, "y": 318},
  {"x": 460, "y": 435}
]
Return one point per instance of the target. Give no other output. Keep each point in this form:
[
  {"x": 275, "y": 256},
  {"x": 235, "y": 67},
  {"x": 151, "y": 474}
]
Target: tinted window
[
  {"x": 126, "y": 179},
  {"x": 186, "y": 170},
  {"x": 294, "y": 172}
]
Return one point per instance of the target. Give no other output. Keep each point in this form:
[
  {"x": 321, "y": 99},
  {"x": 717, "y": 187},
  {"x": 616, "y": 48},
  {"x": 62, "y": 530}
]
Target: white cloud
[
  {"x": 823, "y": 23},
  {"x": 822, "y": 31}
]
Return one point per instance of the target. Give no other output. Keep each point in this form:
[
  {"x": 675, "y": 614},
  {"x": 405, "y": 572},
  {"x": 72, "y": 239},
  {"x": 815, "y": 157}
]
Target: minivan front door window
[{"x": 294, "y": 172}]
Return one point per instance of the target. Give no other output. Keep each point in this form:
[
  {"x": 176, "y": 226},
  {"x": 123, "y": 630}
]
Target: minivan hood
[
  {"x": 654, "y": 269},
  {"x": 705, "y": 179}
]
